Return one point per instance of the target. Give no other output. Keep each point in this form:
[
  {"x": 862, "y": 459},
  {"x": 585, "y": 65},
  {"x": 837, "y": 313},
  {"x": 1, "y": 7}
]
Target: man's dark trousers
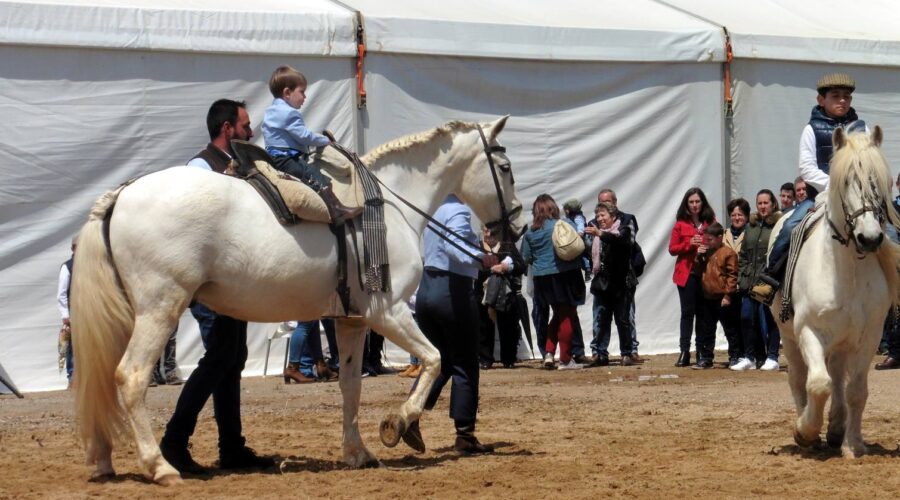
[{"x": 218, "y": 374}]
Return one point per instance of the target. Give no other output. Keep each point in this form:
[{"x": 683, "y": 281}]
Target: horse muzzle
[{"x": 868, "y": 244}]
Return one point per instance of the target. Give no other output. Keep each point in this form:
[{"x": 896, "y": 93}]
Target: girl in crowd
[
  {"x": 739, "y": 213},
  {"x": 556, "y": 282},
  {"x": 693, "y": 215},
  {"x": 757, "y": 324}
]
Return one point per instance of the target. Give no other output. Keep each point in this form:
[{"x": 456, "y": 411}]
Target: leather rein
[
  {"x": 505, "y": 216},
  {"x": 850, "y": 221}
]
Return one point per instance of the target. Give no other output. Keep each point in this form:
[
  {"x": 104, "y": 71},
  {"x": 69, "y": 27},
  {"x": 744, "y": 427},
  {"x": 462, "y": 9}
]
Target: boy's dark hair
[
  {"x": 221, "y": 112},
  {"x": 789, "y": 186},
  {"x": 835, "y": 81},
  {"x": 707, "y": 214},
  {"x": 741, "y": 203},
  {"x": 285, "y": 77},
  {"x": 715, "y": 230}
]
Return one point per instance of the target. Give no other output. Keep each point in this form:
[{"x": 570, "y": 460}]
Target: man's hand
[
  {"x": 726, "y": 301},
  {"x": 489, "y": 260}
]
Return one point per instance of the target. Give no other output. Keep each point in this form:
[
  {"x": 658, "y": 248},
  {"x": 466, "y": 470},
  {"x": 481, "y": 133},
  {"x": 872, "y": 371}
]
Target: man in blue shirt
[{"x": 446, "y": 310}]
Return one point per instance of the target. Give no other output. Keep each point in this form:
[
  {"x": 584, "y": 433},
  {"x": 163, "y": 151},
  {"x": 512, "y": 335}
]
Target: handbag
[
  {"x": 600, "y": 283},
  {"x": 496, "y": 293},
  {"x": 567, "y": 245}
]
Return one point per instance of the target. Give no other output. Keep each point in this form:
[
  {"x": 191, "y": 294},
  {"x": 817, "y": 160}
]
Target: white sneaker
[
  {"x": 770, "y": 365},
  {"x": 571, "y": 365},
  {"x": 743, "y": 364},
  {"x": 548, "y": 360}
]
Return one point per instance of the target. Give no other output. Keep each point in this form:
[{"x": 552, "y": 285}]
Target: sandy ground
[{"x": 616, "y": 432}]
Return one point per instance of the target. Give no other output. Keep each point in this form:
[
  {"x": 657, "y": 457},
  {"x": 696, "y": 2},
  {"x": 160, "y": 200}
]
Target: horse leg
[
  {"x": 837, "y": 416},
  {"x": 399, "y": 327},
  {"x": 133, "y": 376},
  {"x": 351, "y": 336},
  {"x": 797, "y": 371},
  {"x": 818, "y": 388},
  {"x": 857, "y": 394}
]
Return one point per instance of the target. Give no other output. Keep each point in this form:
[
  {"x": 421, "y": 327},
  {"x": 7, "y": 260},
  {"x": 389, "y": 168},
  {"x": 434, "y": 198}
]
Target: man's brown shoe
[{"x": 889, "y": 363}]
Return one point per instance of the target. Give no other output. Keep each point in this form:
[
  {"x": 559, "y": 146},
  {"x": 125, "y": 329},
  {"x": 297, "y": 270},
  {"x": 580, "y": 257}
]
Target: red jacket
[{"x": 680, "y": 247}]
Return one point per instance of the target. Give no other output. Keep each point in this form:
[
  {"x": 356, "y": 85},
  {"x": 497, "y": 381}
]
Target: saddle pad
[
  {"x": 799, "y": 235},
  {"x": 300, "y": 199},
  {"x": 344, "y": 177}
]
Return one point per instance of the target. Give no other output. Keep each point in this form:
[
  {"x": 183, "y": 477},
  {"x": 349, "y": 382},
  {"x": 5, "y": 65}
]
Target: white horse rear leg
[
  {"x": 797, "y": 370},
  {"x": 818, "y": 388},
  {"x": 351, "y": 337},
  {"x": 401, "y": 329},
  {"x": 133, "y": 376},
  {"x": 857, "y": 395},
  {"x": 837, "y": 415}
]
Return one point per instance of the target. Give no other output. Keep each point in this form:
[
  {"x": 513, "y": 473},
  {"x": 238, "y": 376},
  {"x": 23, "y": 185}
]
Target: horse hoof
[
  {"x": 834, "y": 440},
  {"x": 371, "y": 464},
  {"x": 391, "y": 429},
  {"x": 413, "y": 437},
  {"x": 101, "y": 477},
  {"x": 169, "y": 480},
  {"x": 803, "y": 442}
]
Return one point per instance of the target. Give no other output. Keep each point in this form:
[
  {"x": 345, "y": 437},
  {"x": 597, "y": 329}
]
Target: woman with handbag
[
  {"x": 694, "y": 214},
  {"x": 557, "y": 282},
  {"x": 500, "y": 286},
  {"x": 612, "y": 280}
]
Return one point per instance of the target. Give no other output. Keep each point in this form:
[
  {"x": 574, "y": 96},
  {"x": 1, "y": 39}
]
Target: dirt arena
[{"x": 611, "y": 432}]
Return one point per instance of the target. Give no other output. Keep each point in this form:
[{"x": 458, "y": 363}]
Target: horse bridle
[
  {"x": 850, "y": 221},
  {"x": 505, "y": 220}
]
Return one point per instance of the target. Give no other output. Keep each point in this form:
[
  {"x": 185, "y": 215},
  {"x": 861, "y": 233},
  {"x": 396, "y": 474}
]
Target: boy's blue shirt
[{"x": 285, "y": 131}]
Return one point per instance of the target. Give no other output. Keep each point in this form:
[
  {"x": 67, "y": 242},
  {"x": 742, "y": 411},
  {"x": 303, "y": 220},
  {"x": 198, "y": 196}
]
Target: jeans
[
  {"x": 507, "y": 327},
  {"x": 731, "y": 322},
  {"x": 540, "y": 316},
  {"x": 605, "y": 307},
  {"x": 205, "y": 318},
  {"x": 708, "y": 311},
  {"x": 783, "y": 240},
  {"x": 306, "y": 344},
  {"x": 297, "y": 166},
  {"x": 689, "y": 295},
  {"x": 634, "y": 340},
  {"x": 70, "y": 360},
  {"x": 759, "y": 330}
]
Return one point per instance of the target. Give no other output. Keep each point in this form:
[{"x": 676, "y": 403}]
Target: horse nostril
[{"x": 870, "y": 243}]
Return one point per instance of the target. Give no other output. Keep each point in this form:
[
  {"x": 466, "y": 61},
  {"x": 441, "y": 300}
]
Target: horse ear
[
  {"x": 839, "y": 138},
  {"x": 877, "y": 136},
  {"x": 497, "y": 127}
]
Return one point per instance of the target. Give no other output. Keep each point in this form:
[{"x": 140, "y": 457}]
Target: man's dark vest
[
  {"x": 823, "y": 127},
  {"x": 215, "y": 157},
  {"x": 68, "y": 265}
]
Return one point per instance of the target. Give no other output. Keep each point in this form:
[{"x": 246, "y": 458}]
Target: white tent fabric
[
  {"x": 601, "y": 93},
  {"x": 574, "y": 30}
]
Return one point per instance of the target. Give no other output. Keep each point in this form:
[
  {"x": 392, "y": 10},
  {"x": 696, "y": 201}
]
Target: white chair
[{"x": 284, "y": 330}]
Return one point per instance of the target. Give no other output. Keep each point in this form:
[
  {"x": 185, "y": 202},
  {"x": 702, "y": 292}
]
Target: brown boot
[
  {"x": 338, "y": 212},
  {"x": 324, "y": 373},
  {"x": 292, "y": 372}
]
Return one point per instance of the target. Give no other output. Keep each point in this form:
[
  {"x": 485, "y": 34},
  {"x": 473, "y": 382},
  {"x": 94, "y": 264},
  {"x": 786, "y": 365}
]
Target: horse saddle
[
  {"x": 799, "y": 235},
  {"x": 290, "y": 199}
]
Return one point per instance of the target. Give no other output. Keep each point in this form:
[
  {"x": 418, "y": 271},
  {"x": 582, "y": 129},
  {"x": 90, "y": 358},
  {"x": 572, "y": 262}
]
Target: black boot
[
  {"x": 467, "y": 443},
  {"x": 684, "y": 359},
  {"x": 243, "y": 458},
  {"x": 179, "y": 457},
  {"x": 338, "y": 212}
]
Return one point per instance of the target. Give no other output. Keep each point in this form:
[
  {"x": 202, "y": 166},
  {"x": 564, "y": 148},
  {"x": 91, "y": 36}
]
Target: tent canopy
[
  {"x": 310, "y": 27},
  {"x": 582, "y": 30}
]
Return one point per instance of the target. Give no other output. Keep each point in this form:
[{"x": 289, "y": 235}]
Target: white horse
[
  {"x": 184, "y": 233},
  {"x": 844, "y": 284}
]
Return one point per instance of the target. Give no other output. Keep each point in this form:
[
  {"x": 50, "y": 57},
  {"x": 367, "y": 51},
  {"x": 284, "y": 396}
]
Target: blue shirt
[
  {"x": 286, "y": 133},
  {"x": 537, "y": 250},
  {"x": 442, "y": 255}
]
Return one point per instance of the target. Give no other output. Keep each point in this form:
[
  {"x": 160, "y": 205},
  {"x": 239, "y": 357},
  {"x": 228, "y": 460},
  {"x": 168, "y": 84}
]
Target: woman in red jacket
[{"x": 694, "y": 214}]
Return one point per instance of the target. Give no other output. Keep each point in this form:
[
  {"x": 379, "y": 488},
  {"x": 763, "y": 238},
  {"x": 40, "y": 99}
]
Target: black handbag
[
  {"x": 496, "y": 293},
  {"x": 600, "y": 283}
]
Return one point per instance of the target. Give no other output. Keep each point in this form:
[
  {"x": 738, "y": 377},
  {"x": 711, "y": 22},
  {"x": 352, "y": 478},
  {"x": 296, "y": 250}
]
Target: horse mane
[
  {"x": 861, "y": 160},
  {"x": 409, "y": 141}
]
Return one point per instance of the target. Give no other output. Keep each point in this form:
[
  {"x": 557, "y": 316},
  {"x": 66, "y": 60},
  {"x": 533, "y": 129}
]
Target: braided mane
[{"x": 407, "y": 142}]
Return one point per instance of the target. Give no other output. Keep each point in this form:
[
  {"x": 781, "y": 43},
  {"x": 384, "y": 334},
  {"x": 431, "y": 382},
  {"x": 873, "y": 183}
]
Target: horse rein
[
  {"x": 850, "y": 222},
  {"x": 504, "y": 214}
]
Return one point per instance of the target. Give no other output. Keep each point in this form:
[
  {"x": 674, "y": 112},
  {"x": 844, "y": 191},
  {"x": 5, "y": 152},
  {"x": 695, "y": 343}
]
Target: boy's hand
[
  {"x": 327, "y": 133},
  {"x": 701, "y": 249},
  {"x": 726, "y": 301}
]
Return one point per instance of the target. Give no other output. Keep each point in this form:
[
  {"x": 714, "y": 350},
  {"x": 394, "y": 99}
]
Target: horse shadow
[{"x": 823, "y": 452}]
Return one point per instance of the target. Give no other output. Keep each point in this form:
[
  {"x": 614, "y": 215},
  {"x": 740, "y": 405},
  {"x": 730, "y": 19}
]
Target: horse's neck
[{"x": 420, "y": 178}]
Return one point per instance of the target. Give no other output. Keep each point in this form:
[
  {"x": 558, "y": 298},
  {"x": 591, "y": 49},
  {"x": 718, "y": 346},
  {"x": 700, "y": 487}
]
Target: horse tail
[{"x": 102, "y": 320}]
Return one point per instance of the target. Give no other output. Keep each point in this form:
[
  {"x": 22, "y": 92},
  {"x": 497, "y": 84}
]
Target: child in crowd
[
  {"x": 574, "y": 214},
  {"x": 288, "y": 139},
  {"x": 718, "y": 265}
]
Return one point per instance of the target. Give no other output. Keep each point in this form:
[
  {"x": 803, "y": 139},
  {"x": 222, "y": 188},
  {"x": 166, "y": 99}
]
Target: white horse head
[{"x": 860, "y": 188}]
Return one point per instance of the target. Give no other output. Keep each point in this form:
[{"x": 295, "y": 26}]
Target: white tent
[{"x": 627, "y": 95}]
